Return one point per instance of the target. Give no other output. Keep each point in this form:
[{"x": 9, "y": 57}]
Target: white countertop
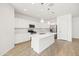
[{"x": 43, "y": 35}]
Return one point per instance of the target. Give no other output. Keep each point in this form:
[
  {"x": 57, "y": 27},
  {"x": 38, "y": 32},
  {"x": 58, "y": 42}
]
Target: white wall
[
  {"x": 6, "y": 28},
  {"x": 64, "y": 27},
  {"x": 75, "y": 28}
]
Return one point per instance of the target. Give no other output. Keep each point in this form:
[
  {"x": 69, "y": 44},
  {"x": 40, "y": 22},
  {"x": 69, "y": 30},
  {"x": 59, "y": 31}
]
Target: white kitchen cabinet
[
  {"x": 64, "y": 27},
  {"x": 22, "y": 36}
]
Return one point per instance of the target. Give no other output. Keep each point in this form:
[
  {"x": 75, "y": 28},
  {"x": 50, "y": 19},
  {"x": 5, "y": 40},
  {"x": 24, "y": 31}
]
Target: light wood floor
[{"x": 59, "y": 48}]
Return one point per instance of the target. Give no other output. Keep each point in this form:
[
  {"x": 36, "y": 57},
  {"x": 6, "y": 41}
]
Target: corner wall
[
  {"x": 7, "y": 24},
  {"x": 75, "y": 28}
]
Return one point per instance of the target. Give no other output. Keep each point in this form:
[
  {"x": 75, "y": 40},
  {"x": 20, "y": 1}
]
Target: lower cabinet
[{"x": 22, "y": 37}]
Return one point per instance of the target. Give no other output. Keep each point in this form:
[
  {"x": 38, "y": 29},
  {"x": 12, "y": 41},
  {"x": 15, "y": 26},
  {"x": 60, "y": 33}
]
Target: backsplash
[{"x": 38, "y": 30}]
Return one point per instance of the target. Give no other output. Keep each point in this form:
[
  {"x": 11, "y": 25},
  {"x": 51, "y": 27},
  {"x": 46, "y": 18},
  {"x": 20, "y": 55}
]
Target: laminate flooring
[{"x": 58, "y": 48}]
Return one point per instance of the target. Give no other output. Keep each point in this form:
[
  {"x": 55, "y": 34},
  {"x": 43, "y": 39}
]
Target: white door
[{"x": 64, "y": 27}]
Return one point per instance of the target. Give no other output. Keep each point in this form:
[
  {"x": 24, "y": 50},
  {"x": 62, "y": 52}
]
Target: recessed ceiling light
[
  {"x": 48, "y": 23},
  {"x": 33, "y": 3},
  {"x": 42, "y": 20},
  {"x": 25, "y": 9}
]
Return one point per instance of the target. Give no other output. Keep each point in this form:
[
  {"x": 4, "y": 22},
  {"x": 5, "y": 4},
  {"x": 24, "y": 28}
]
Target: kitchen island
[{"x": 41, "y": 41}]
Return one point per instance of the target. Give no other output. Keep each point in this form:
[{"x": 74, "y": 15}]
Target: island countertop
[{"x": 42, "y": 35}]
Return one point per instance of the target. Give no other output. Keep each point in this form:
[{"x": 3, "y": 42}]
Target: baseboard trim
[
  {"x": 7, "y": 51},
  {"x": 75, "y": 38},
  {"x": 22, "y": 42}
]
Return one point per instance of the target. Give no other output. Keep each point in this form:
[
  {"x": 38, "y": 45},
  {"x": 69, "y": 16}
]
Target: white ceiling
[{"x": 38, "y": 11}]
